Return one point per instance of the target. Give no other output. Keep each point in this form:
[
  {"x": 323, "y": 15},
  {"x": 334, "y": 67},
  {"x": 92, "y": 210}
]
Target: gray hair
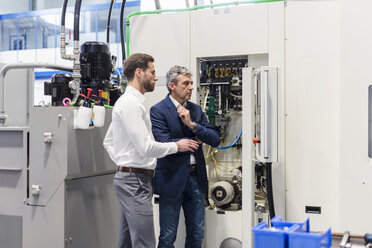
[{"x": 172, "y": 75}]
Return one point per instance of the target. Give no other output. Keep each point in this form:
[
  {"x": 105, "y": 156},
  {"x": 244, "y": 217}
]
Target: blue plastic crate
[
  {"x": 299, "y": 239},
  {"x": 286, "y": 234},
  {"x": 265, "y": 237},
  {"x": 278, "y": 222}
]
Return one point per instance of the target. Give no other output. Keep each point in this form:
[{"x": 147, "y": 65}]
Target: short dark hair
[{"x": 134, "y": 61}]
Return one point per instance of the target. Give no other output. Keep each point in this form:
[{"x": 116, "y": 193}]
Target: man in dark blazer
[{"x": 181, "y": 178}]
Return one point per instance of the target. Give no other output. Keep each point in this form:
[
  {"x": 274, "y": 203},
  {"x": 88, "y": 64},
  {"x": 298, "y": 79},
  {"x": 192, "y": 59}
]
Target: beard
[{"x": 148, "y": 86}]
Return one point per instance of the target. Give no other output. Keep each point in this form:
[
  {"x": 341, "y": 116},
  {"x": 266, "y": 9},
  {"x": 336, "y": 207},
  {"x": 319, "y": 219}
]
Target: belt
[
  {"x": 192, "y": 168},
  {"x": 136, "y": 170}
]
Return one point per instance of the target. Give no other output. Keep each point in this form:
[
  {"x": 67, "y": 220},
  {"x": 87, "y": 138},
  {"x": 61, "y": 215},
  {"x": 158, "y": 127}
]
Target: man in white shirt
[{"x": 130, "y": 144}]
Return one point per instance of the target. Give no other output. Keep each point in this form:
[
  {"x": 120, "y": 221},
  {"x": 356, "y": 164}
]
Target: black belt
[
  {"x": 192, "y": 168},
  {"x": 136, "y": 170}
]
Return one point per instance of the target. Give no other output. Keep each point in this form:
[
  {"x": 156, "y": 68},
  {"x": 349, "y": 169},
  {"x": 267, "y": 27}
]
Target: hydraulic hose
[
  {"x": 232, "y": 144},
  {"x": 122, "y": 31},
  {"x": 63, "y": 34},
  {"x": 182, "y": 10},
  {"x": 76, "y": 75},
  {"x": 77, "y": 20},
  {"x": 108, "y": 22},
  {"x": 157, "y": 4},
  {"x": 270, "y": 196},
  {"x": 63, "y": 15}
]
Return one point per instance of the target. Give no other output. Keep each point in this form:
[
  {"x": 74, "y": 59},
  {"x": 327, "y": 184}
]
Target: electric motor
[
  {"x": 96, "y": 67},
  {"x": 58, "y": 88},
  {"x": 222, "y": 193}
]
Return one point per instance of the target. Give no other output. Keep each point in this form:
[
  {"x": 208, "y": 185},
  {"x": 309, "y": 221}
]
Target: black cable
[
  {"x": 122, "y": 30},
  {"x": 77, "y": 19},
  {"x": 157, "y": 4},
  {"x": 108, "y": 22},
  {"x": 63, "y": 15},
  {"x": 270, "y": 196}
]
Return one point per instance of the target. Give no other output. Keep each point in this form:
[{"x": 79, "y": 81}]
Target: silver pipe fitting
[{"x": 63, "y": 45}]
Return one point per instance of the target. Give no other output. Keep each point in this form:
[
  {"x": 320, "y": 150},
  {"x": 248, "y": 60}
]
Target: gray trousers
[{"x": 134, "y": 191}]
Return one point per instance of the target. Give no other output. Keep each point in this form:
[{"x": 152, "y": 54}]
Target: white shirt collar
[
  {"x": 136, "y": 93},
  {"x": 176, "y": 103}
]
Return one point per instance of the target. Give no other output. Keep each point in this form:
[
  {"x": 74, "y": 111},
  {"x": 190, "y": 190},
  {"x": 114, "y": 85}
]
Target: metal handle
[{"x": 264, "y": 112}]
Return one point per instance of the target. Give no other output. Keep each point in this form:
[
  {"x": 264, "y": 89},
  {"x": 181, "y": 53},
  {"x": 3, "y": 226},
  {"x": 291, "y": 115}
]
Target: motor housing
[
  {"x": 58, "y": 88},
  {"x": 96, "y": 67}
]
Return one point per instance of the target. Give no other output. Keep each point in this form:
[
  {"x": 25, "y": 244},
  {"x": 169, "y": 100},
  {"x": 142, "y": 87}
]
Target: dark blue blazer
[{"x": 172, "y": 171}]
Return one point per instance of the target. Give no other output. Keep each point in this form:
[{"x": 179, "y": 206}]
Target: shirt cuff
[{"x": 173, "y": 148}]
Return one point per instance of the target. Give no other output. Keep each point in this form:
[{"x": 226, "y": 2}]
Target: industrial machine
[
  {"x": 226, "y": 166},
  {"x": 319, "y": 156},
  {"x": 238, "y": 81}
]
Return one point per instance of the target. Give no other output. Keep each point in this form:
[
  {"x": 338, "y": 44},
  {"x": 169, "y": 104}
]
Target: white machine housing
[
  {"x": 323, "y": 73},
  {"x": 207, "y": 34}
]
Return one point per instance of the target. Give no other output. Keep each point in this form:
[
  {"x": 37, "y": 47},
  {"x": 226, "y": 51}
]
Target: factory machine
[
  {"x": 290, "y": 82},
  {"x": 55, "y": 177},
  {"x": 238, "y": 79},
  {"x": 222, "y": 92}
]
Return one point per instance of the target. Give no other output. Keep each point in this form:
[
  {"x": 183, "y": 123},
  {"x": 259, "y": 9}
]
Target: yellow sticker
[{"x": 105, "y": 94}]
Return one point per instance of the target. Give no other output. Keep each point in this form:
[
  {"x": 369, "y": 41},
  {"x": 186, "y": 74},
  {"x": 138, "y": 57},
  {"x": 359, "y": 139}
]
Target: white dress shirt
[
  {"x": 129, "y": 140},
  {"x": 178, "y": 105}
]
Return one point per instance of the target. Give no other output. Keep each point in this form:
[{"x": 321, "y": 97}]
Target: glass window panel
[
  {"x": 47, "y": 27},
  {"x": 102, "y": 16},
  {"x": 9, "y": 34},
  {"x": 87, "y": 26},
  {"x": 37, "y": 32},
  {"x": 26, "y": 33}
]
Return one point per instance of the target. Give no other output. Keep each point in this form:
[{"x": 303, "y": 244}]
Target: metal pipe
[
  {"x": 354, "y": 236},
  {"x": 8, "y": 67},
  {"x": 108, "y": 22},
  {"x": 63, "y": 45}
]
